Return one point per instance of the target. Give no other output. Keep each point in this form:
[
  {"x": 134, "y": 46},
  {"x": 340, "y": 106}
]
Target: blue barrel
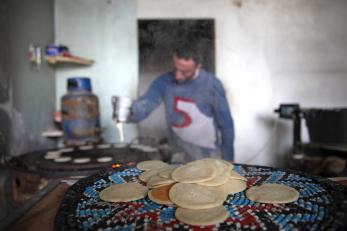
[{"x": 80, "y": 113}]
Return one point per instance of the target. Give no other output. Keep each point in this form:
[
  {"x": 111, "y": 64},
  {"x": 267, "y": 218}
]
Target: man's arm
[
  {"x": 224, "y": 121},
  {"x": 142, "y": 107}
]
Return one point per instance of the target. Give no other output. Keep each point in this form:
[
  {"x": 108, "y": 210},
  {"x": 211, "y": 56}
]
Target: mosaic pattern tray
[{"x": 322, "y": 205}]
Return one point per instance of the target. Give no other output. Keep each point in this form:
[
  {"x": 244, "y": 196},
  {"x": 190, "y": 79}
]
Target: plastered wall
[
  {"x": 27, "y": 97},
  {"x": 270, "y": 52},
  {"x": 105, "y": 31},
  {"x": 267, "y": 52}
]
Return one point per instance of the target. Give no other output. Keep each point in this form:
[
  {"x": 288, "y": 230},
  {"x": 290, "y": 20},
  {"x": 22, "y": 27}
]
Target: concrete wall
[
  {"x": 29, "y": 100},
  {"x": 103, "y": 30},
  {"x": 5, "y": 124},
  {"x": 269, "y": 52}
]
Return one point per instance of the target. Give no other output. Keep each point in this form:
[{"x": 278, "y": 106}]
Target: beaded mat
[{"x": 322, "y": 205}]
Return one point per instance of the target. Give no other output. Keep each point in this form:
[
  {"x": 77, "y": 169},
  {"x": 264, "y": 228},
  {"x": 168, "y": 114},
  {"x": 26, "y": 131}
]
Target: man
[{"x": 197, "y": 111}]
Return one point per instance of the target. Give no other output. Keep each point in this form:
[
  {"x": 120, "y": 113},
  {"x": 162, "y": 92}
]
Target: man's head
[{"x": 186, "y": 63}]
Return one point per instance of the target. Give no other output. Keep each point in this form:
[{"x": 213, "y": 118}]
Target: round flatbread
[
  {"x": 201, "y": 217},
  {"x": 272, "y": 193},
  {"x": 145, "y": 176},
  {"x": 194, "y": 172},
  {"x": 136, "y": 146},
  {"x": 233, "y": 186},
  {"x": 150, "y": 164},
  {"x": 160, "y": 195},
  {"x": 104, "y": 146},
  {"x": 222, "y": 174},
  {"x": 86, "y": 147},
  {"x": 123, "y": 192},
  {"x": 156, "y": 181},
  {"x": 119, "y": 145},
  {"x": 104, "y": 159},
  {"x": 229, "y": 164},
  {"x": 236, "y": 176},
  {"x": 149, "y": 149},
  {"x": 167, "y": 173},
  {"x": 194, "y": 196},
  {"x": 63, "y": 159},
  {"x": 66, "y": 150},
  {"x": 52, "y": 155},
  {"x": 81, "y": 160}
]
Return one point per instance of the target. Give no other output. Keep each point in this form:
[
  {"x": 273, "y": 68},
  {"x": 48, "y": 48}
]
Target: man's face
[{"x": 185, "y": 69}]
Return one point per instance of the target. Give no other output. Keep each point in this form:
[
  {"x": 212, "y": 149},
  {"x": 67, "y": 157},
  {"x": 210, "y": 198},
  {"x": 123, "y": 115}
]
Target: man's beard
[
  {"x": 187, "y": 79},
  {"x": 182, "y": 81}
]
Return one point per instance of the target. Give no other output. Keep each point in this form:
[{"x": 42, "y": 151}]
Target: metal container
[
  {"x": 121, "y": 108},
  {"x": 80, "y": 113}
]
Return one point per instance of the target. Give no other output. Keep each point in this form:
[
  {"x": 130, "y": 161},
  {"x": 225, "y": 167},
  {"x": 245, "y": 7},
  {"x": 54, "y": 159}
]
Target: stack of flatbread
[{"x": 198, "y": 189}]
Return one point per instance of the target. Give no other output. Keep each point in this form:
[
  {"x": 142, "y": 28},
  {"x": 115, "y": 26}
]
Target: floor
[
  {"x": 41, "y": 216},
  {"x": 37, "y": 213},
  {"x": 5, "y": 206}
]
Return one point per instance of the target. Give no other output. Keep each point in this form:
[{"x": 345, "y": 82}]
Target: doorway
[{"x": 156, "y": 40}]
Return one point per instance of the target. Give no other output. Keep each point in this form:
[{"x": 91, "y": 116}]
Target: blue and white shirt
[{"x": 197, "y": 114}]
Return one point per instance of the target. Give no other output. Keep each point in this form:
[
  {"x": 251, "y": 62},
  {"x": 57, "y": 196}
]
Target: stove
[{"x": 32, "y": 171}]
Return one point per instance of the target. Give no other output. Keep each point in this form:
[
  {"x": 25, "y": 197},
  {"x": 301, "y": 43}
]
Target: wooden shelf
[{"x": 69, "y": 60}]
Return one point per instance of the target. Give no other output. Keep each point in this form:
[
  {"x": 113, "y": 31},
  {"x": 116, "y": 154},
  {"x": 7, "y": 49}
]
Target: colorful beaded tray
[{"x": 322, "y": 205}]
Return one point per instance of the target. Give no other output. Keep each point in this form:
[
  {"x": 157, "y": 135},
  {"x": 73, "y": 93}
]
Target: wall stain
[{"x": 237, "y": 3}]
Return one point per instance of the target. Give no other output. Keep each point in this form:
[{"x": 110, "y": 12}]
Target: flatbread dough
[
  {"x": 194, "y": 172},
  {"x": 104, "y": 159},
  {"x": 63, "y": 159},
  {"x": 160, "y": 195},
  {"x": 150, "y": 164},
  {"x": 136, "y": 146},
  {"x": 194, "y": 196},
  {"x": 120, "y": 145},
  {"x": 272, "y": 193},
  {"x": 210, "y": 216},
  {"x": 149, "y": 149},
  {"x": 66, "y": 149},
  {"x": 104, "y": 146},
  {"x": 233, "y": 186},
  {"x": 123, "y": 192},
  {"x": 52, "y": 155},
  {"x": 81, "y": 160},
  {"x": 86, "y": 147}
]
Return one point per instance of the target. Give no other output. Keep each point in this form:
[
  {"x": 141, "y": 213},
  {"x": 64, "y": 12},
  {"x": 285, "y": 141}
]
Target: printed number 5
[{"x": 179, "y": 108}]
